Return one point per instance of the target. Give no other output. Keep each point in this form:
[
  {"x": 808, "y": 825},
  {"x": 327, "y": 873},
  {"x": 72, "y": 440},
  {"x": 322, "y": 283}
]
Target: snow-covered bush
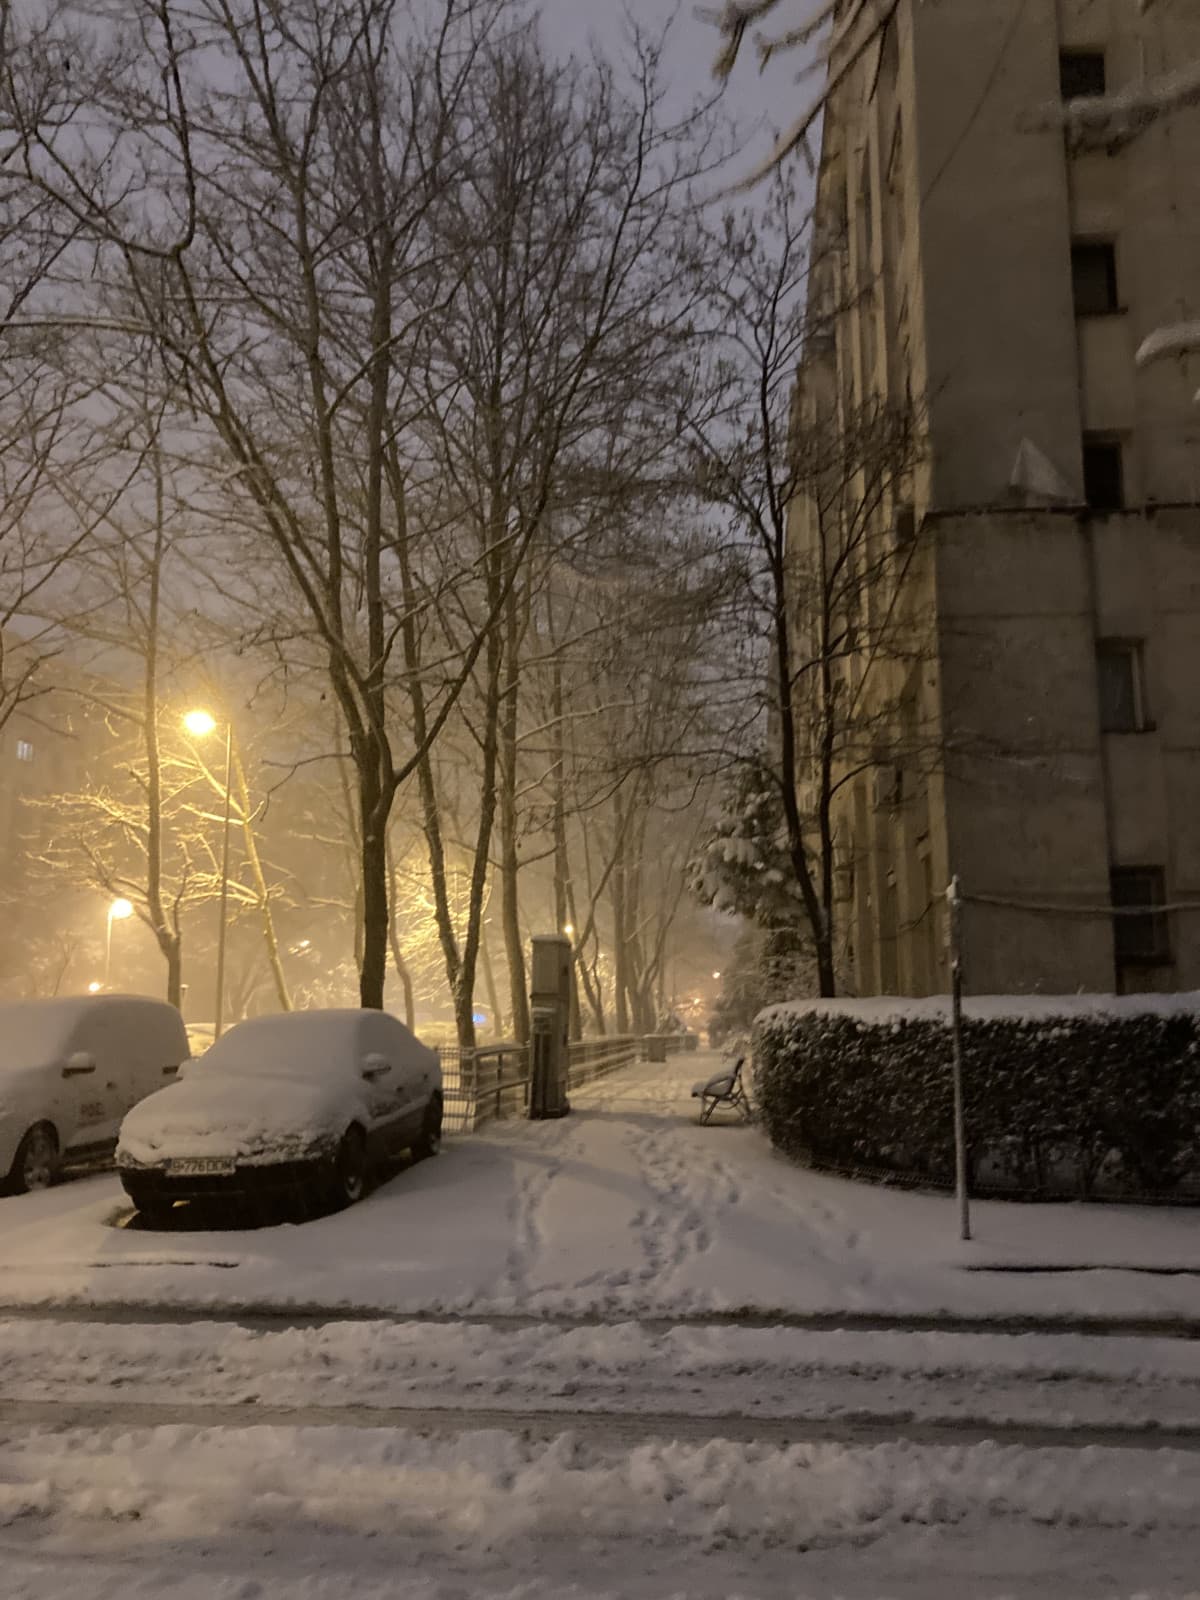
[{"x": 1083, "y": 1094}]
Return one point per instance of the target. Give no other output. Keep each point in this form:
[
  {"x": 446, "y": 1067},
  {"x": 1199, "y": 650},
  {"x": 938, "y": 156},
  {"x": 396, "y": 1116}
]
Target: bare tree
[
  {"x": 812, "y": 495},
  {"x": 545, "y": 368},
  {"x": 272, "y": 249},
  {"x": 830, "y": 35}
]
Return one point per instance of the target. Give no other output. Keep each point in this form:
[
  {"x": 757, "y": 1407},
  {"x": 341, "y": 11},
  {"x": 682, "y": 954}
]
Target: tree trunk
[
  {"x": 402, "y": 968},
  {"x": 510, "y": 910},
  {"x": 375, "y": 916},
  {"x": 270, "y": 936},
  {"x": 464, "y": 990},
  {"x": 489, "y": 983},
  {"x": 173, "y": 951}
]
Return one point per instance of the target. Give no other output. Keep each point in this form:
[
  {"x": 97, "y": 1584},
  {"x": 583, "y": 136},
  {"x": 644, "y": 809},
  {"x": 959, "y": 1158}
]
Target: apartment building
[{"x": 997, "y": 274}]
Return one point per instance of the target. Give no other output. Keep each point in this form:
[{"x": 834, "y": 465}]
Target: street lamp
[
  {"x": 118, "y": 911},
  {"x": 200, "y": 724},
  {"x": 568, "y": 930}
]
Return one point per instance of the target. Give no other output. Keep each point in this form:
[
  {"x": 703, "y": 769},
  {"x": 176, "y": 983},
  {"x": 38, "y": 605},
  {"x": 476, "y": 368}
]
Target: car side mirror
[
  {"x": 374, "y": 1067},
  {"x": 77, "y": 1065}
]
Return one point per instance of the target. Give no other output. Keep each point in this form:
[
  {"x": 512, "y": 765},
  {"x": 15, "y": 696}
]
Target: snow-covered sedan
[{"x": 300, "y": 1105}]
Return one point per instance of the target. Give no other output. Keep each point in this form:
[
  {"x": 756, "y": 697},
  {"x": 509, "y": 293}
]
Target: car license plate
[{"x": 206, "y": 1166}]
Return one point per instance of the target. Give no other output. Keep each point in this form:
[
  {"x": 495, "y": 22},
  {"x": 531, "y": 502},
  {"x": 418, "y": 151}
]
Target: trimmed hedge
[{"x": 1060, "y": 1097}]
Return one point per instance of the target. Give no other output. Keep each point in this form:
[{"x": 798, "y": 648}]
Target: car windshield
[{"x": 303, "y": 1044}]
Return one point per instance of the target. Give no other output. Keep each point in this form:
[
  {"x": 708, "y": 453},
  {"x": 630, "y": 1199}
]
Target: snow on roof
[
  {"x": 1021, "y": 1007},
  {"x": 311, "y": 1041},
  {"x": 35, "y": 1031}
]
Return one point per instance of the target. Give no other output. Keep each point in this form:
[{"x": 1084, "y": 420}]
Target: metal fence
[
  {"x": 492, "y": 1081},
  {"x": 481, "y": 1084},
  {"x": 588, "y": 1059}
]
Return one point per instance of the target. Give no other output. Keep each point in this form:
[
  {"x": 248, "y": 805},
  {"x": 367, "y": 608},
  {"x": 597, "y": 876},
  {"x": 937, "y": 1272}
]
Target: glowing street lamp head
[
  {"x": 120, "y": 909},
  {"x": 569, "y": 930},
  {"x": 94, "y": 987},
  {"x": 199, "y": 723}
]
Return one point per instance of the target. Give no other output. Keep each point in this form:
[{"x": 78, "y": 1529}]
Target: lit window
[{"x": 24, "y": 750}]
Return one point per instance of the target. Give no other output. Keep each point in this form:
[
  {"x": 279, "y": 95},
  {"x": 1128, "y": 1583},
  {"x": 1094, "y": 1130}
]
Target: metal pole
[
  {"x": 220, "y": 1005},
  {"x": 956, "y": 1023},
  {"x": 108, "y": 948}
]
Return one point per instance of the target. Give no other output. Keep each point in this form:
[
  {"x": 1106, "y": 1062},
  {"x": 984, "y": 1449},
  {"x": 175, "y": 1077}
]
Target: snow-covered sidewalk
[{"x": 625, "y": 1208}]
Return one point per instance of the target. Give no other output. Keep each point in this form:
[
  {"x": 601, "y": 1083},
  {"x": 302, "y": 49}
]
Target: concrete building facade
[{"x": 977, "y": 264}]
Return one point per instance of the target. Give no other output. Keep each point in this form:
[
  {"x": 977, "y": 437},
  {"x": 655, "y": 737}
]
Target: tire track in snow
[{"x": 619, "y": 1428}]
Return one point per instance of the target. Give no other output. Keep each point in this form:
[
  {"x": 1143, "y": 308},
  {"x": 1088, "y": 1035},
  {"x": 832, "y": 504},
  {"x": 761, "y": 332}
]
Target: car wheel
[
  {"x": 429, "y": 1141},
  {"x": 350, "y": 1168},
  {"x": 37, "y": 1160}
]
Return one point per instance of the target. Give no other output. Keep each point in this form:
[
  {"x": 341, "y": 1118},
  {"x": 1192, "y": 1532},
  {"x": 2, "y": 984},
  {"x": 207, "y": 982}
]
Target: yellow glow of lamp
[
  {"x": 200, "y": 723},
  {"x": 120, "y": 909}
]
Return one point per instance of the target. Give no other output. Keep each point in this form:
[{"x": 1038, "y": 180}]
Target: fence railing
[
  {"x": 492, "y": 1081},
  {"x": 484, "y": 1083},
  {"x": 588, "y": 1059}
]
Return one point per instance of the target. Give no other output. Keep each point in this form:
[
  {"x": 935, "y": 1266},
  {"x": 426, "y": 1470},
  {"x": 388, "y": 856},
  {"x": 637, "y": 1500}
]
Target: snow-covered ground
[
  {"x": 625, "y": 1208},
  {"x": 263, "y": 1514},
  {"x": 525, "y": 1384},
  {"x": 622, "y": 1370}
]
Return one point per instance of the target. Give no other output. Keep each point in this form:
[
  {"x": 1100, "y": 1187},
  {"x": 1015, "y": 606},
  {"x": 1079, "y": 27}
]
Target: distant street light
[
  {"x": 94, "y": 987},
  {"x": 118, "y": 911},
  {"x": 716, "y": 974},
  {"x": 200, "y": 724},
  {"x": 568, "y": 930}
]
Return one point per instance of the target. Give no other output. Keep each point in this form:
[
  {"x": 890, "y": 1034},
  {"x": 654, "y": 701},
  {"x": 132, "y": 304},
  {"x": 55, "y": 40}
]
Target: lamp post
[
  {"x": 200, "y": 724},
  {"x": 119, "y": 909}
]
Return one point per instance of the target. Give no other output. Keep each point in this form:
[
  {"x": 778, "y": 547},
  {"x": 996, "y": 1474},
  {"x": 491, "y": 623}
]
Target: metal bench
[{"x": 723, "y": 1089}]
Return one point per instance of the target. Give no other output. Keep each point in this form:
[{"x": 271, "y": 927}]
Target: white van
[{"x": 69, "y": 1071}]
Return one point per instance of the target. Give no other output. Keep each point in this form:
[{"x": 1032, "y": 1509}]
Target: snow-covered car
[
  {"x": 70, "y": 1069},
  {"x": 300, "y": 1105}
]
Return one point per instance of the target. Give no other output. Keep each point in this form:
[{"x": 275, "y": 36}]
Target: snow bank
[
  {"x": 487, "y": 1490},
  {"x": 1019, "y": 1007}
]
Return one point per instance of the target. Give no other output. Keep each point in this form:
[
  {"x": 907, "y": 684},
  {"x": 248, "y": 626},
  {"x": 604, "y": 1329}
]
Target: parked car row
[{"x": 304, "y": 1102}]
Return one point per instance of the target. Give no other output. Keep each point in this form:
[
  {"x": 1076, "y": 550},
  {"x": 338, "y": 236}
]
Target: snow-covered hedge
[{"x": 1083, "y": 1094}]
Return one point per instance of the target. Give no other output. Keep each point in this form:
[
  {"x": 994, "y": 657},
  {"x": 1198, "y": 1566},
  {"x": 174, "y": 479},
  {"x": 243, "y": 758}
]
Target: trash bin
[{"x": 656, "y": 1047}]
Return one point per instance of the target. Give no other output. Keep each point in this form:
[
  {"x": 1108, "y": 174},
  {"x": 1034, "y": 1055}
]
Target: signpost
[{"x": 956, "y": 1024}]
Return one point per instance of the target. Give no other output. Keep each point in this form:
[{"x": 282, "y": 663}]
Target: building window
[
  {"x": 1081, "y": 74},
  {"x": 1094, "y": 279},
  {"x": 1141, "y": 936},
  {"x": 24, "y": 750},
  {"x": 1122, "y": 699},
  {"x": 1103, "y": 473}
]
